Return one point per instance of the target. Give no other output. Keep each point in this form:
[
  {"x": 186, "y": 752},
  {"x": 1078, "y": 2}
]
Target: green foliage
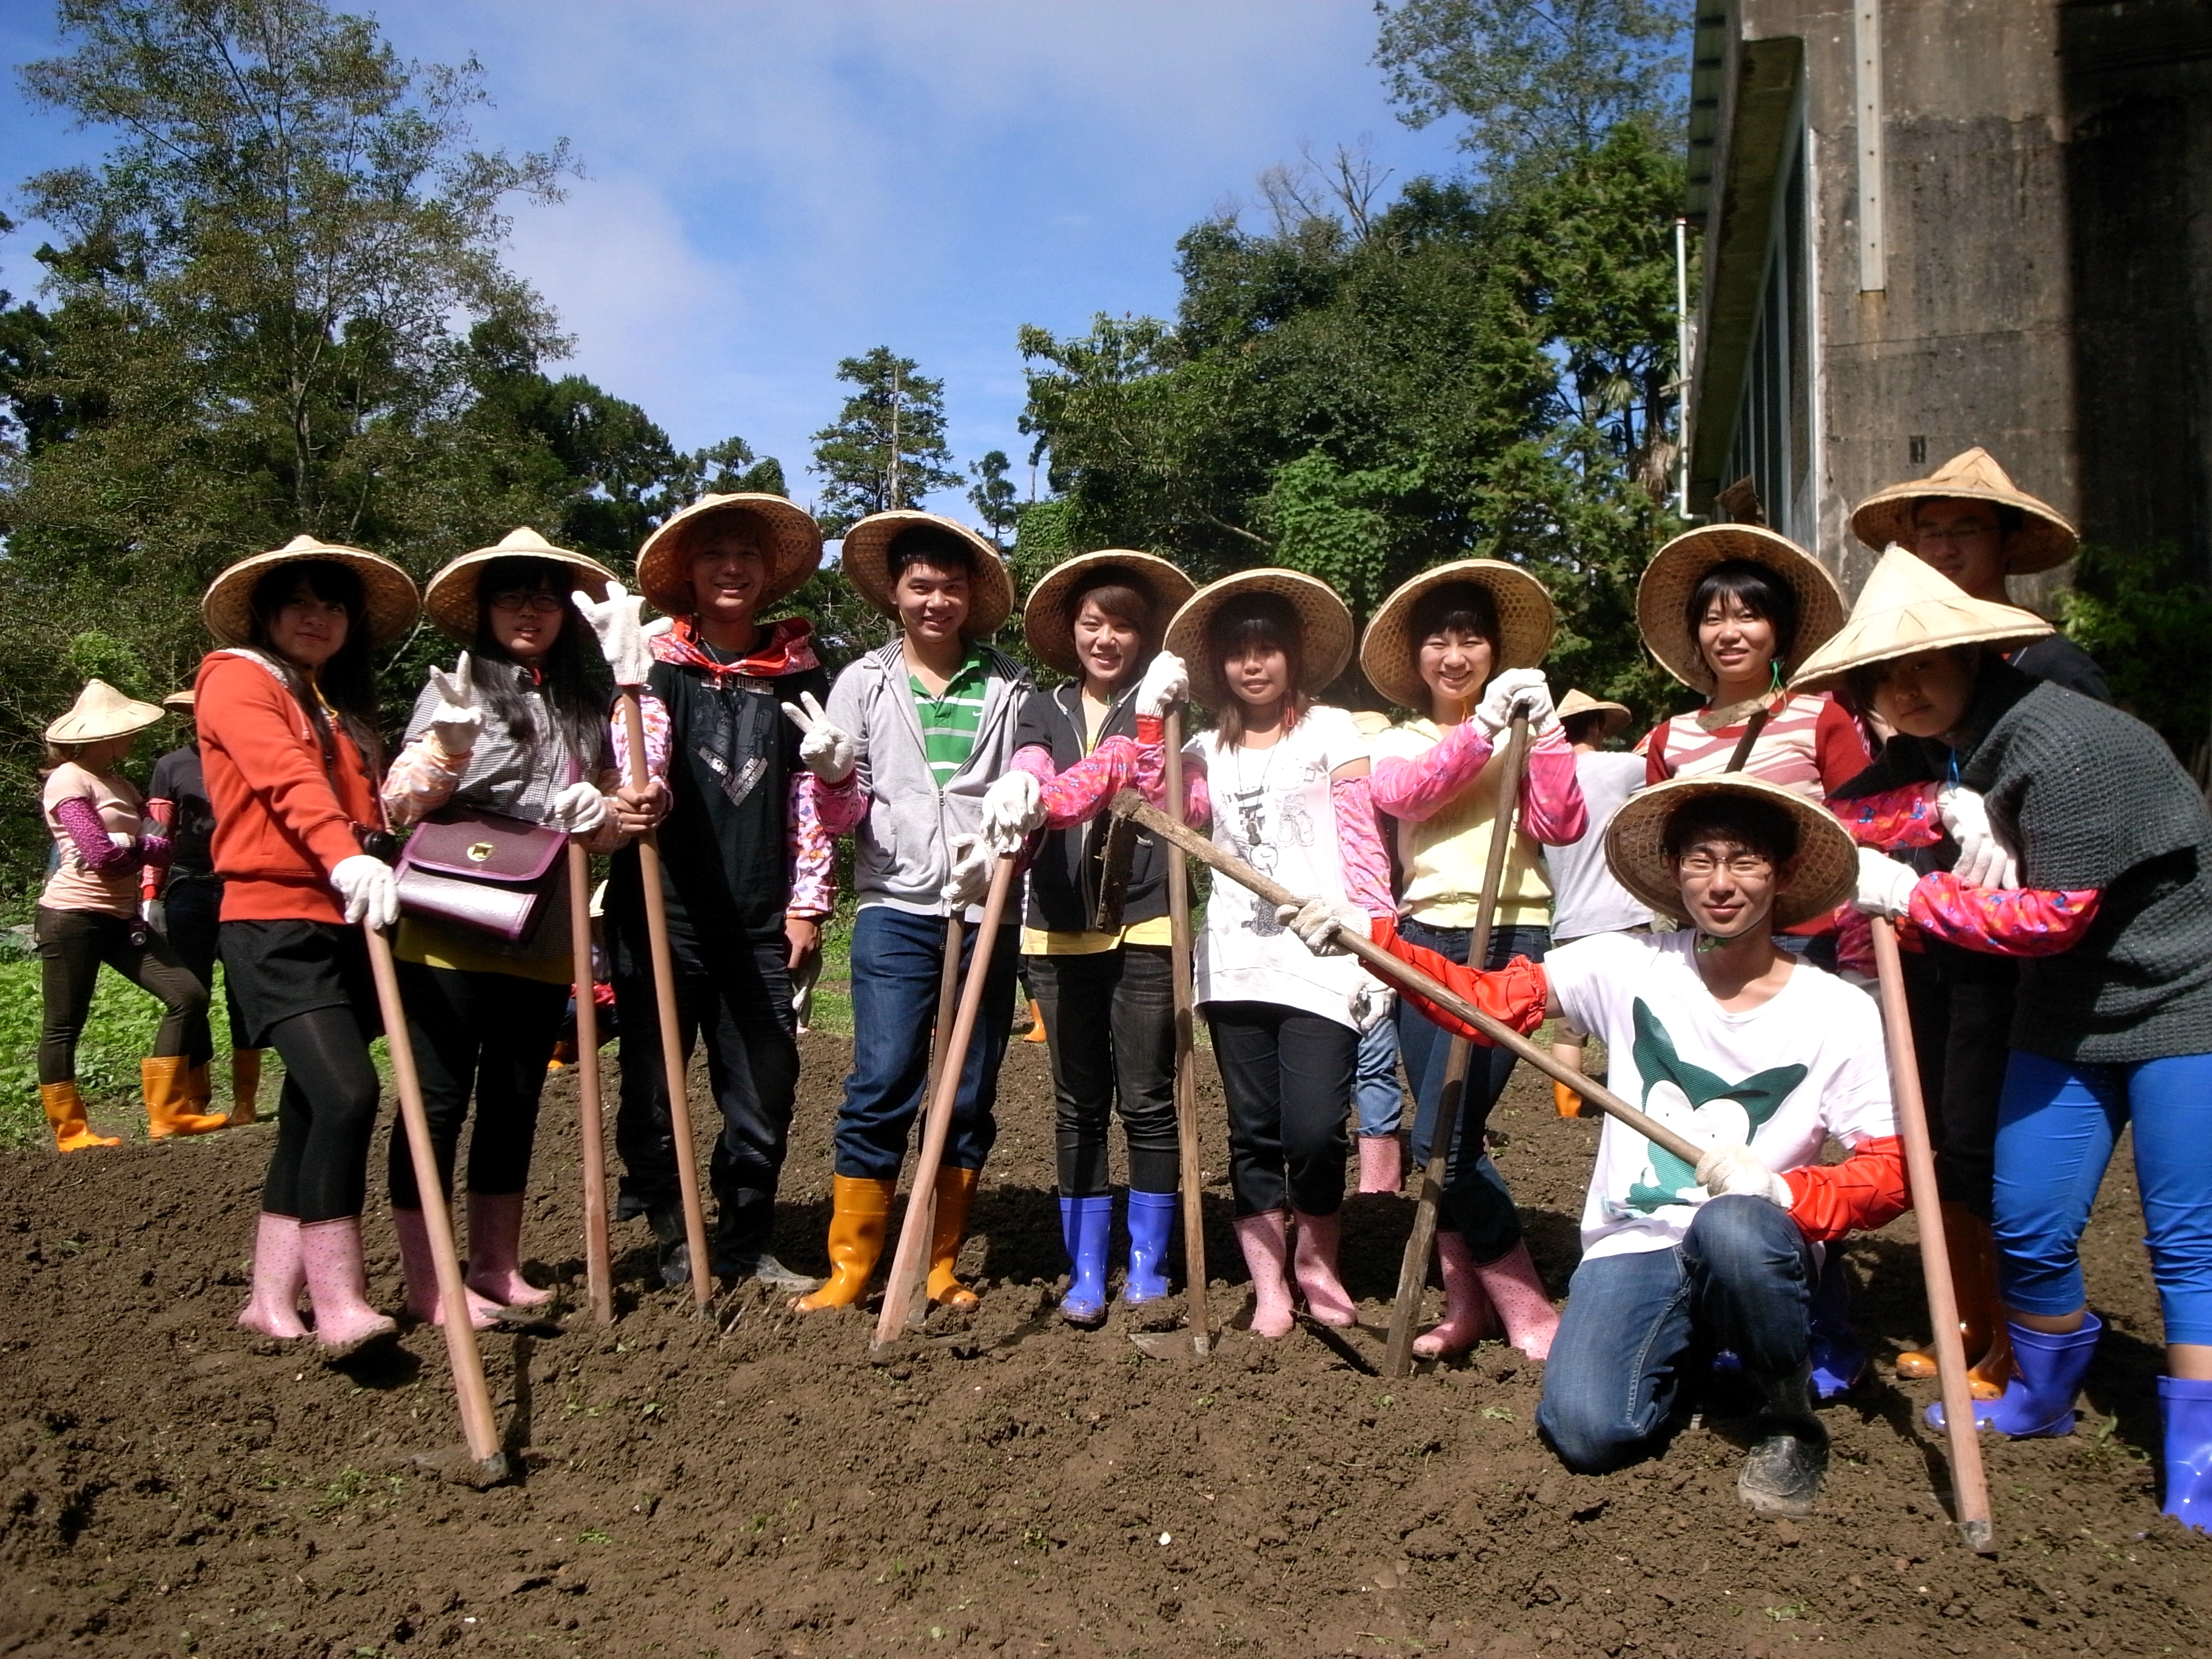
[
  {"x": 2144, "y": 616},
  {"x": 994, "y": 496},
  {"x": 886, "y": 448}
]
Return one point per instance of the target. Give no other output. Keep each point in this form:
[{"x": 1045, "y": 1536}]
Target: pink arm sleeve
[
  {"x": 1359, "y": 846},
  {"x": 2014, "y": 921},
  {"x": 653, "y": 714},
  {"x": 1197, "y": 796},
  {"x": 1414, "y": 789},
  {"x": 1894, "y": 818},
  {"x": 813, "y": 853},
  {"x": 1077, "y": 795},
  {"x": 1552, "y": 808},
  {"x": 81, "y": 818},
  {"x": 839, "y": 806}
]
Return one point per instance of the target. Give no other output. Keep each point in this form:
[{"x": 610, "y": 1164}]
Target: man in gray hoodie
[{"x": 919, "y": 729}]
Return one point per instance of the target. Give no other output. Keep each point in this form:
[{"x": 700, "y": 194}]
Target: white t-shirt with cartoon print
[
  {"x": 1782, "y": 1077},
  {"x": 1272, "y": 808}
]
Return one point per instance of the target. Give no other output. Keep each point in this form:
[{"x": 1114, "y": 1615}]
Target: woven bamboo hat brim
[
  {"x": 1676, "y": 569},
  {"x": 449, "y": 597},
  {"x": 1908, "y": 606},
  {"x": 1525, "y": 621},
  {"x": 2045, "y": 539},
  {"x": 790, "y": 542},
  {"x": 1049, "y": 616},
  {"x": 100, "y": 712},
  {"x": 1636, "y": 852},
  {"x": 866, "y": 564},
  {"x": 1578, "y": 701},
  {"x": 181, "y": 703},
  {"x": 1324, "y": 618},
  {"x": 393, "y": 604}
]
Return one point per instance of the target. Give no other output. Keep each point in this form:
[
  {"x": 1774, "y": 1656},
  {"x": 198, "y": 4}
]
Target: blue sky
[{"x": 772, "y": 184}]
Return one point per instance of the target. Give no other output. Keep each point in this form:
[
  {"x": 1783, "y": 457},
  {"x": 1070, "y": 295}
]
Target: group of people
[{"x": 1698, "y": 905}]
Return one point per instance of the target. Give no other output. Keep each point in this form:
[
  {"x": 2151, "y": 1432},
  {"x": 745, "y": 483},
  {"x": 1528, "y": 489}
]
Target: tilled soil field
[{"x": 754, "y": 1485}]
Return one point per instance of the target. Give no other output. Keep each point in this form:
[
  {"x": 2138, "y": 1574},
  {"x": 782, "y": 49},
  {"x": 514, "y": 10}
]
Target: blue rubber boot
[
  {"x": 2186, "y": 1405},
  {"x": 1838, "y": 1360},
  {"x": 2047, "y": 1373},
  {"x": 1151, "y": 1228},
  {"x": 1085, "y": 1224}
]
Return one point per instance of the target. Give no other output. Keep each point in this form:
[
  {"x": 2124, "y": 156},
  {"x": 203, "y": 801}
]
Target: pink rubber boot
[
  {"x": 337, "y": 1287},
  {"x": 419, "y": 1269},
  {"x": 1518, "y": 1294},
  {"x": 273, "y": 1308},
  {"x": 494, "y": 1265},
  {"x": 1327, "y": 1299},
  {"x": 1266, "y": 1254},
  {"x": 1468, "y": 1317},
  {"x": 1382, "y": 1163}
]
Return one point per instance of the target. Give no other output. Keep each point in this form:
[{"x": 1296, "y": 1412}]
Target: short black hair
[
  {"x": 1454, "y": 608},
  {"x": 1763, "y": 592},
  {"x": 930, "y": 544},
  {"x": 1757, "y": 826},
  {"x": 1859, "y": 684},
  {"x": 1586, "y": 727}
]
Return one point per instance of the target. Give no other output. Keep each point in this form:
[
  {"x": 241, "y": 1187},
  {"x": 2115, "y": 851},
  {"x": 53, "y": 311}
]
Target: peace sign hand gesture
[
  {"x": 827, "y": 751},
  {"x": 458, "y": 720}
]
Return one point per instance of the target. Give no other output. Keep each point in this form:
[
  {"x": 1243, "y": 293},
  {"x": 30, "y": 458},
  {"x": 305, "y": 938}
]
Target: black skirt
[{"x": 279, "y": 969}]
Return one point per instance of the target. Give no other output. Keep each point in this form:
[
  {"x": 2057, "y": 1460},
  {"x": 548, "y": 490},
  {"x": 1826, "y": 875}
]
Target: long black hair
[
  {"x": 572, "y": 686},
  {"x": 1258, "y": 622},
  {"x": 1761, "y": 591},
  {"x": 346, "y": 683}
]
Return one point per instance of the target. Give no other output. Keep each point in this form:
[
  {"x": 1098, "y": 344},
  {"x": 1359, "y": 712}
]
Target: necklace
[{"x": 1251, "y": 798}]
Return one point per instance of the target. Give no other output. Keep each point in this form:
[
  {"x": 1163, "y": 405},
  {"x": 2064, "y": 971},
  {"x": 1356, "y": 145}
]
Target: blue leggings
[{"x": 2057, "y": 1126}]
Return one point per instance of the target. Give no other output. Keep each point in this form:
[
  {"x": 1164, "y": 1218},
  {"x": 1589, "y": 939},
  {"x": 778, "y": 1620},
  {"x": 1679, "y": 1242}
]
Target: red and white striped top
[{"x": 1810, "y": 745}]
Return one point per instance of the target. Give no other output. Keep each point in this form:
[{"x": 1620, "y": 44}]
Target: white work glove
[
  {"x": 1372, "y": 1005},
  {"x": 578, "y": 810},
  {"x": 1164, "y": 682},
  {"x": 1317, "y": 921},
  {"x": 1984, "y": 861},
  {"x": 825, "y": 750},
  {"x": 1737, "y": 1169},
  {"x": 618, "y": 622},
  {"x": 458, "y": 720},
  {"x": 1520, "y": 691},
  {"x": 972, "y": 859},
  {"x": 155, "y": 914},
  {"x": 369, "y": 889},
  {"x": 1884, "y": 885},
  {"x": 1012, "y": 807}
]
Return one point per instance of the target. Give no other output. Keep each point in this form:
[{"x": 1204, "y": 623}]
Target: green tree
[
  {"x": 995, "y": 497},
  {"x": 887, "y": 448}
]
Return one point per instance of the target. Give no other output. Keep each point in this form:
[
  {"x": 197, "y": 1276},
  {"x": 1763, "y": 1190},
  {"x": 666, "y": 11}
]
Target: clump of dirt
[{"x": 752, "y": 1484}]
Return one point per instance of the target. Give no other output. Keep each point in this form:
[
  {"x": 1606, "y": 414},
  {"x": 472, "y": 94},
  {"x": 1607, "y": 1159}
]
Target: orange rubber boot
[
  {"x": 956, "y": 1190},
  {"x": 1565, "y": 1101},
  {"x": 66, "y": 1112},
  {"x": 1037, "y": 1031},
  {"x": 860, "y": 1211},
  {"x": 169, "y": 1106},
  {"x": 1974, "y": 1256},
  {"x": 245, "y": 1085}
]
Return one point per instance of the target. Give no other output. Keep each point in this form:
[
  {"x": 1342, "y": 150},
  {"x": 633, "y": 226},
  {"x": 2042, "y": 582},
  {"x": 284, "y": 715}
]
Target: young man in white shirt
[{"x": 1746, "y": 1050}]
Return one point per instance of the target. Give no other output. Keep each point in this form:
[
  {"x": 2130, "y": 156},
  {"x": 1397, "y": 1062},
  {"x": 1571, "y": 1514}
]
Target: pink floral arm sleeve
[
  {"x": 1415, "y": 789},
  {"x": 1079, "y": 794},
  {"x": 88, "y": 833},
  {"x": 1366, "y": 867},
  {"x": 1197, "y": 796},
  {"x": 1894, "y": 818},
  {"x": 2012, "y": 921},
  {"x": 813, "y": 852},
  {"x": 653, "y": 714},
  {"x": 1551, "y": 807},
  {"x": 422, "y": 778}
]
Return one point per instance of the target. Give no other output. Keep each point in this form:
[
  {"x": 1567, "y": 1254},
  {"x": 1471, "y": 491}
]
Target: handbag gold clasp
[{"x": 479, "y": 851}]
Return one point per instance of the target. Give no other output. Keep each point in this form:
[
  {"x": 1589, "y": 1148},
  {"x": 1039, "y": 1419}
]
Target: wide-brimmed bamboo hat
[
  {"x": 1676, "y": 569},
  {"x": 865, "y": 559},
  {"x": 1579, "y": 701},
  {"x": 181, "y": 703},
  {"x": 790, "y": 545},
  {"x": 2046, "y": 538},
  {"x": 1525, "y": 622},
  {"x": 1908, "y": 606},
  {"x": 449, "y": 597},
  {"x": 100, "y": 712},
  {"x": 227, "y": 605},
  {"x": 1048, "y": 615},
  {"x": 1324, "y": 617},
  {"x": 1635, "y": 850}
]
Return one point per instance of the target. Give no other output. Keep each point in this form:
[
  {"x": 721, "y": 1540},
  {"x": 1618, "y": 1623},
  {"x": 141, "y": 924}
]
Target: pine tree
[{"x": 887, "y": 448}]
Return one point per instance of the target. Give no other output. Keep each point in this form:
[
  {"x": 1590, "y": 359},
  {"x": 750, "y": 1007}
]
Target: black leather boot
[{"x": 1790, "y": 1449}]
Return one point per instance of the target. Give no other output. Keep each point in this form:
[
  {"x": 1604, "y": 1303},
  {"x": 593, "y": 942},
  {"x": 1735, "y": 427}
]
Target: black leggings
[
  {"x": 1109, "y": 1016},
  {"x": 320, "y": 1171},
  {"x": 72, "y": 944},
  {"x": 192, "y": 905},
  {"x": 491, "y": 1033},
  {"x": 1288, "y": 1077}
]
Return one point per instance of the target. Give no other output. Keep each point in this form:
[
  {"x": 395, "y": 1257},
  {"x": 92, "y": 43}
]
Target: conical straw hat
[
  {"x": 388, "y": 592},
  {"x": 100, "y": 712},
  {"x": 1908, "y": 606},
  {"x": 864, "y": 558},
  {"x": 790, "y": 542},
  {"x": 1048, "y": 615},
  {"x": 1579, "y": 701},
  {"x": 1636, "y": 849},
  {"x": 451, "y": 596},
  {"x": 1324, "y": 617},
  {"x": 1525, "y": 621},
  {"x": 2046, "y": 537},
  {"x": 1676, "y": 569}
]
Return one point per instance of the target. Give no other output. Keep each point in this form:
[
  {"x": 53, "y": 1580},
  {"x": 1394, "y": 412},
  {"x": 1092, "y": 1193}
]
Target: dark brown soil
[{"x": 754, "y": 1485}]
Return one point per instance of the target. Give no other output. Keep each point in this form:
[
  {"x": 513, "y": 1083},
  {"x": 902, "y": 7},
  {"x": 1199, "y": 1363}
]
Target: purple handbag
[{"x": 481, "y": 870}]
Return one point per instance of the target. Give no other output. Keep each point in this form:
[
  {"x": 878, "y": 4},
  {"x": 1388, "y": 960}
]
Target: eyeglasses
[
  {"x": 1704, "y": 864},
  {"x": 537, "y": 604},
  {"x": 1956, "y": 533}
]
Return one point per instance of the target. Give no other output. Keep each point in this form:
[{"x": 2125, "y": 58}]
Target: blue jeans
[
  {"x": 1637, "y": 1325},
  {"x": 2057, "y": 1126},
  {"x": 1476, "y": 1203},
  {"x": 897, "y": 958},
  {"x": 1375, "y": 1083}
]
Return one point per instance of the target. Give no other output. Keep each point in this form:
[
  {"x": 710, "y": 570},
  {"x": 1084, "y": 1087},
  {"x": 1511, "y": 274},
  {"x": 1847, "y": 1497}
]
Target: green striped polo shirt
[{"x": 949, "y": 723}]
